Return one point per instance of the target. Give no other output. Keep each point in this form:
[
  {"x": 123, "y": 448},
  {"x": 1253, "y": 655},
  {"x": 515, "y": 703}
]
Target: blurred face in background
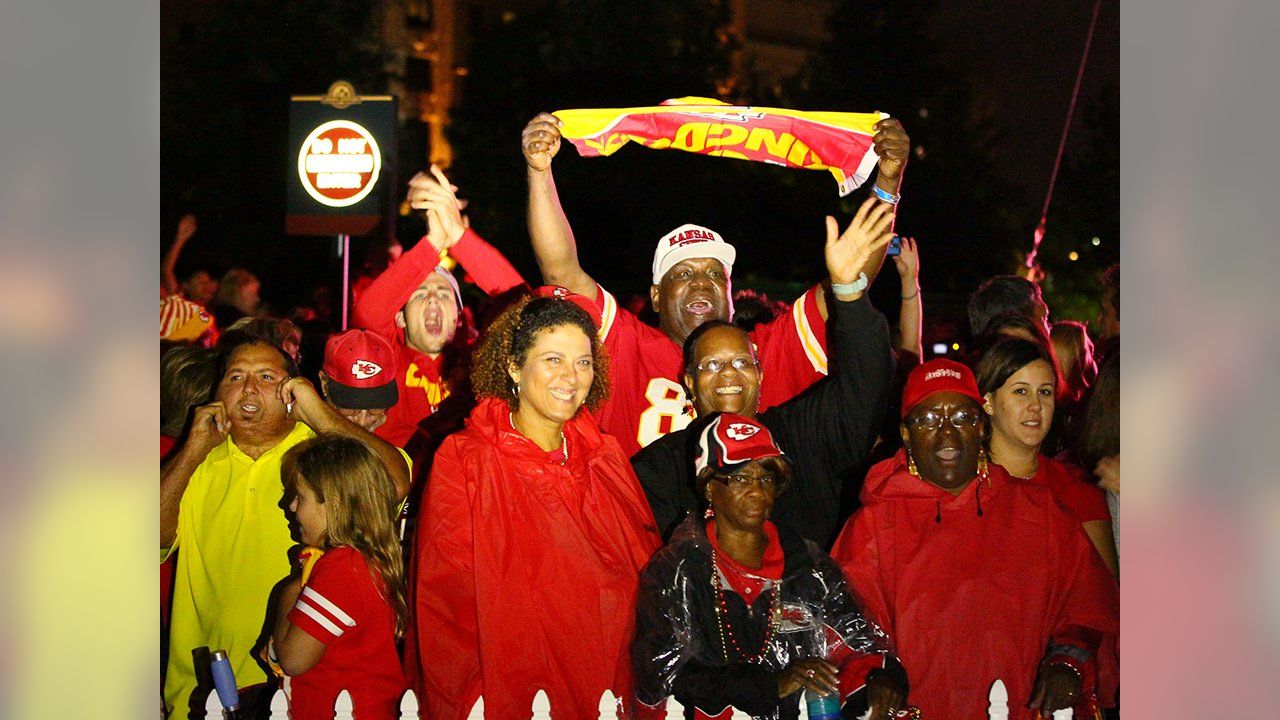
[{"x": 200, "y": 288}]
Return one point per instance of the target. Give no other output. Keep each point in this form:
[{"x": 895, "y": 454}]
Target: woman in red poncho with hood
[
  {"x": 534, "y": 531},
  {"x": 977, "y": 576}
]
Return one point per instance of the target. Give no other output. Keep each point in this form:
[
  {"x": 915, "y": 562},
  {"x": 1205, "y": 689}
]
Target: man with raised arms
[{"x": 692, "y": 266}]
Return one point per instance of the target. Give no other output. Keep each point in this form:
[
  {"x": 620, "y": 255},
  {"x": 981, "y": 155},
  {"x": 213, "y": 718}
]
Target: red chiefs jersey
[
  {"x": 342, "y": 606},
  {"x": 648, "y": 400}
]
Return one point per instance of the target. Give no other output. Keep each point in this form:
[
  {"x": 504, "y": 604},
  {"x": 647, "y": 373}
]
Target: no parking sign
[{"x": 344, "y": 146}]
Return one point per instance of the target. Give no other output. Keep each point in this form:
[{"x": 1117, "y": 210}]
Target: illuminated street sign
[
  {"x": 342, "y": 156},
  {"x": 339, "y": 163}
]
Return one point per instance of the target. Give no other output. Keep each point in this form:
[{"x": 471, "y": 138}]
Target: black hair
[
  {"x": 233, "y": 340},
  {"x": 1111, "y": 287},
  {"x": 999, "y": 327},
  {"x": 1099, "y": 435},
  {"x": 1007, "y": 357},
  {"x": 690, "y": 349},
  {"x": 543, "y": 313},
  {"x": 509, "y": 338},
  {"x": 999, "y": 295}
]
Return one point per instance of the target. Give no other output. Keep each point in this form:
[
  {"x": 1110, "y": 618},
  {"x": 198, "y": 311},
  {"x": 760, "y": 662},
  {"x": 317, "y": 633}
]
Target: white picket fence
[{"x": 998, "y": 709}]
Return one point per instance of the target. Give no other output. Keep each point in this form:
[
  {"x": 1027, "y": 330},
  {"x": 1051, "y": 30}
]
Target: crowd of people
[{"x": 548, "y": 493}]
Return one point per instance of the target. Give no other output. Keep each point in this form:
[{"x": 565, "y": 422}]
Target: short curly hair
[{"x": 510, "y": 337}]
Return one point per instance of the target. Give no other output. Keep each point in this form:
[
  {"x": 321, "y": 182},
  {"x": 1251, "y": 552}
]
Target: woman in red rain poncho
[
  {"x": 976, "y": 576},
  {"x": 534, "y": 530}
]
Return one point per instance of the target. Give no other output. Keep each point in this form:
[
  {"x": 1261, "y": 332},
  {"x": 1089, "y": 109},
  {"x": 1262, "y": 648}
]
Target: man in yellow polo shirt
[{"x": 220, "y": 502}]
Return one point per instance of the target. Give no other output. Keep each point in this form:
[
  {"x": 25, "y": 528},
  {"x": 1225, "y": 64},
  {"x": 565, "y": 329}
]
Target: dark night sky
[
  {"x": 1022, "y": 55},
  {"x": 1025, "y": 54}
]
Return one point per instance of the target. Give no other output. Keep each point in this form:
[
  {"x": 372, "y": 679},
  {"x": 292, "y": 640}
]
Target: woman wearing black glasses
[
  {"x": 737, "y": 612},
  {"x": 976, "y": 576}
]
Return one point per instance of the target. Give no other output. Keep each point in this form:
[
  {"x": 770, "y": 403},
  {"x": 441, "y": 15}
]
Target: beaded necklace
[{"x": 726, "y": 628}]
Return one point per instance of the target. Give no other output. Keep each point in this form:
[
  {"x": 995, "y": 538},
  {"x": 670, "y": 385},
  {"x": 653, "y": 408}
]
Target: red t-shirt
[
  {"x": 342, "y": 606},
  {"x": 1072, "y": 490},
  {"x": 645, "y": 368}
]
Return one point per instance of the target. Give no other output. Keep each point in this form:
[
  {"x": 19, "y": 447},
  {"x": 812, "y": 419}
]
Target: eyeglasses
[
  {"x": 740, "y": 483},
  {"x": 739, "y": 363},
  {"x": 933, "y": 421}
]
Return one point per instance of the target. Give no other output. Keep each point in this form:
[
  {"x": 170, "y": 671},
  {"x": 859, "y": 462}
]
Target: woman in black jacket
[{"x": 739, "y": 612}]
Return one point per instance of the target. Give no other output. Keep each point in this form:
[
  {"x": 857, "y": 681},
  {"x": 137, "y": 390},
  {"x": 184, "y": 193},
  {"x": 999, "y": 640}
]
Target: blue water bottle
[
  {"x": 822, "y": 707},
  {"x": 224, "y": 681}
]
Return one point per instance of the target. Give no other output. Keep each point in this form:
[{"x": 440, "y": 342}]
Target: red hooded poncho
[
  {"x": 526, "y": 571},
  {"x": 970, "y": 596}
]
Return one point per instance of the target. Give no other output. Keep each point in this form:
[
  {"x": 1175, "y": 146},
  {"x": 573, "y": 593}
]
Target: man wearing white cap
[
  {"x": 417, "y": 306},
  {"x": 692, "y": 266}
]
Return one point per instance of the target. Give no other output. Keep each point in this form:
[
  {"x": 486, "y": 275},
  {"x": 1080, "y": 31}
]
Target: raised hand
[
  {"x": 438, "y": 197},
  {"x": 848, "y": 253},
  {"x": 541, "y": 141},
  {"x": 893, "y": 146},
  {"x": 301, "y": 400},
  {"x": 908, "y": 263},
  {"x": 186, "y": 228},
  {"x": 209, "y": 427}
]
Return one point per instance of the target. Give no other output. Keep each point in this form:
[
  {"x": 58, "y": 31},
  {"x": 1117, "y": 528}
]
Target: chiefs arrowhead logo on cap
[
  {"x": 741, "y": 431},
  {"x": 363, "y": 369}
]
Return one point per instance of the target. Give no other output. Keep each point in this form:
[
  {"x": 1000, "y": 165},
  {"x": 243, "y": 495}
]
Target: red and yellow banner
[{"x": 835, "y": 141}]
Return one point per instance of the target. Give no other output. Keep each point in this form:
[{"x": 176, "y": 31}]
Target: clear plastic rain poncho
[{"x": 678, "y": 648}]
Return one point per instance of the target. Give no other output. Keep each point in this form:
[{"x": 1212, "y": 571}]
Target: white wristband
[{"x": 852, "y": 288}]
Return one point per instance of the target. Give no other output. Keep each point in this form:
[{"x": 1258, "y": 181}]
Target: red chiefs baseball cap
[
  {"x": 938, "y": 375},
  {"x": 564, "y": 293},
  {"x": 730, "y": 441},
  {"x": 361, "y": 369}
]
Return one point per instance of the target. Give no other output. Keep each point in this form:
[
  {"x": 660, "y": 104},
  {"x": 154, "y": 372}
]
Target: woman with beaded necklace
[{"x": 737, "y": 612}]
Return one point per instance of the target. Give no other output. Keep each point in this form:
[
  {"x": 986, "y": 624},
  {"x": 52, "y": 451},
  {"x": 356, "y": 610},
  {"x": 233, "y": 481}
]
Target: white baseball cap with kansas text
[{"x": 691, "y": 241}]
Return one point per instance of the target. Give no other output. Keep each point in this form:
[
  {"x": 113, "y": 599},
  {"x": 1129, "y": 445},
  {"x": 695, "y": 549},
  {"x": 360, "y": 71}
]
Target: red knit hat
[
  {"x": 361, "y": 369},
  {"x": 730, "y": 441},
  {"x": 938, "y": 375}
]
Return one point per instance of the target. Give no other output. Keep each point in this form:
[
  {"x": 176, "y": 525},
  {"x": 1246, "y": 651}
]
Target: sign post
[{"x": 342, "y": 152}]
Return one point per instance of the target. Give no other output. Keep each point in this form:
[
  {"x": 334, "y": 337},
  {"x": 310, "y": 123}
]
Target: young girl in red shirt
[{"x": 338, "y": 623}]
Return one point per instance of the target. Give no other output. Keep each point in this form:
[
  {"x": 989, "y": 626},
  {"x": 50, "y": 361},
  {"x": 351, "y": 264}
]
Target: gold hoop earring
[
  {"x": 983, "y": 471},
  {"x": 911, "y": 465}
]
